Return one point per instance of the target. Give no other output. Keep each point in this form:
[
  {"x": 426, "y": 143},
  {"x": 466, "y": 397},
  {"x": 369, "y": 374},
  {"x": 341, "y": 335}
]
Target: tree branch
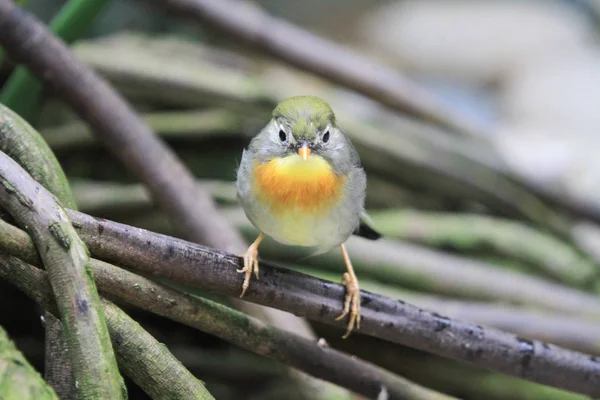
[
  {"x": 300, "y": 48},
  {"x": 66, "y": 259},
  {"x": 158, "y": 373}
]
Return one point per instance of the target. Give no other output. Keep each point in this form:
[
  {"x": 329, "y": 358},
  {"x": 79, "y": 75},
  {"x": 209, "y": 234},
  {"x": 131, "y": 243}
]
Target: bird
[{"x": 301, "y": 182}]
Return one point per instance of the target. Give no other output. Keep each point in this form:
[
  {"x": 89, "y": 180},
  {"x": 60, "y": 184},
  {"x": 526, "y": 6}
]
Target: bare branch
[
  {"x": 320, "y": 300},
  {"x": 300, "y": 48},
  {"x": 25, "y": 145}
]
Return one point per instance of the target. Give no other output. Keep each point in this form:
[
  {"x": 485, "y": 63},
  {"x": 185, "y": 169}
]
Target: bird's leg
[
  {"x": 352, "y": 300},
  {"x": 251, "y": 263}
]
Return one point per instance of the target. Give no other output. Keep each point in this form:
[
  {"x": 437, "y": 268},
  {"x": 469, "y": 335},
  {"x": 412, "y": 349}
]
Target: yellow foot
[
  {"x": 250, "y": 263},
  {"x": 351, "y": 303}
]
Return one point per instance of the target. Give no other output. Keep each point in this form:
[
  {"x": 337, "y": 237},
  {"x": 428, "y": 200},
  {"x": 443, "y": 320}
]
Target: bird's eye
[
  {"x": 282, "y": 136},
  {"x": 326, "y": 137}
]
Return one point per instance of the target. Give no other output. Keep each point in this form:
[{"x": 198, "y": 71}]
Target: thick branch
[
  {"x": 244, "y": 331},
  {"x": 66, "y": 259},
  {"x": 320, "y": 300},
  {"x": 157, "y": 372},
  {"x": 300, "y": 48}
]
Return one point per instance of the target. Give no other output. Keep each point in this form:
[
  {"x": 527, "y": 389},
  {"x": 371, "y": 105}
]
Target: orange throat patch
[{"x": 293, "y": 183}]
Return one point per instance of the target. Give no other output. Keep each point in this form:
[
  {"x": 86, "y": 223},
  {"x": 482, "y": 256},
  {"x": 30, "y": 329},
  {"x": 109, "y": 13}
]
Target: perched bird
[{"x": 301, "y": 182}]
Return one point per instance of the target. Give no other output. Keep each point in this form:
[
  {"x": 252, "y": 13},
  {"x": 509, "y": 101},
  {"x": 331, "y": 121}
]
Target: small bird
[{"x": 301, "y": 182}]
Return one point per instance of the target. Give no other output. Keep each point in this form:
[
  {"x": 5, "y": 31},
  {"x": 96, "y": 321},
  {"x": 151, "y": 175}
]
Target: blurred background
[{"x": 497, "y": 226}]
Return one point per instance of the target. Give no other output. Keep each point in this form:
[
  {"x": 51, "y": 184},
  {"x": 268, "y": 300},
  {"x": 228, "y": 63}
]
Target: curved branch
[
  {"x": 66, "y": 259},
  {"x": 158, "y": 373},
  {"x": 329, "y": 60},
  {"x": 233, "y": 326},
  {"x": 119, "y": 128}
]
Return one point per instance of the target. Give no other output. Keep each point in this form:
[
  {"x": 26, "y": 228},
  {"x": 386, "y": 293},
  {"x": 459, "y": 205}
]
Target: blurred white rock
[
  {"x": 559, "y": 92},
  {"x": 473, "y": 41},
  {"x": 553, "y": 159}
]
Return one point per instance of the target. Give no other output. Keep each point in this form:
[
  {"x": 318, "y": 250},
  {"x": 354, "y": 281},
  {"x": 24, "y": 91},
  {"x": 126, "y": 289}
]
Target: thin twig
[
  {"x": 300, "y": 48},
  {"x": 244, "y": 331},
  {"x": 66, "y": 259},
  {"x": 158, "y": 373},
  {"x": 430, "y": 270}
]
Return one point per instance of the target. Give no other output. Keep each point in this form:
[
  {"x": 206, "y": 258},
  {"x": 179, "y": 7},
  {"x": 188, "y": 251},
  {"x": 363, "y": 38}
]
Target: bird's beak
[{"x": 304, "y": 151}]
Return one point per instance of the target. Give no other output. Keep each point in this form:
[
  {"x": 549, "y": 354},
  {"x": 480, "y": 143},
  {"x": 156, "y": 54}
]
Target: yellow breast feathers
[{"x": 293, "y": 183}]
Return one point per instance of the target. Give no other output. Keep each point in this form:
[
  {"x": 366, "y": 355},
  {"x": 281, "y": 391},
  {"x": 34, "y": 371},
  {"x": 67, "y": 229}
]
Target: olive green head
[
  {"x": 304, "y": 122},
  {"x": 304, "y": 116}
]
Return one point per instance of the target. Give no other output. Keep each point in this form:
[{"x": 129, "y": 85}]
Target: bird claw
[
  {"x": 351, "y": 304},
  {"x": 250, "y": 265}
]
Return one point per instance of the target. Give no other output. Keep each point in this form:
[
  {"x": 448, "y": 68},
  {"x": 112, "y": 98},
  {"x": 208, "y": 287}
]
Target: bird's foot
[
  {"x": 250, "y": 265},
  {"x": 351, "y": 303}
]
